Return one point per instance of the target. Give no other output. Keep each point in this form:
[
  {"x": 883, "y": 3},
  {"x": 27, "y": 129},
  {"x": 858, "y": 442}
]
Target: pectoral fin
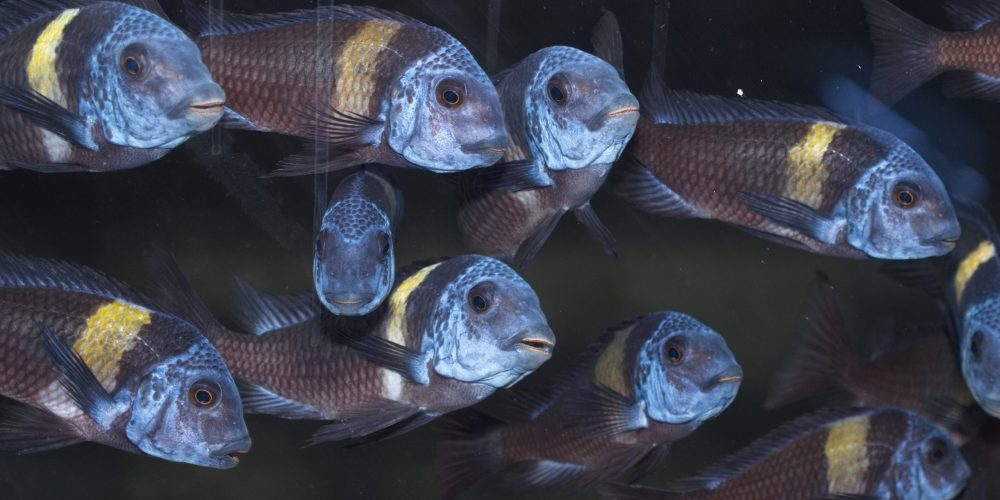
[
  {"x": 81, "y": 384},
  {"x": 791, "y": 214},
  {"x": 48, "y": 114}
]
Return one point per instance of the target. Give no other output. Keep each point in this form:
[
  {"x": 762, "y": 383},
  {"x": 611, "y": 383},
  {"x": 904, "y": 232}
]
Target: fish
[
  {"x": 354, "y": 265},
  {"x": 908, "y": 371},
  {"x": 844, "y": 453},
  {"x": 569, "y": 116},
  {"x": 908, "y": 52},
  {"x": 367, "y": 85},
  {"x": 643, "y": 385},
  {"x": 97, "y": 86},
  {"x": 793, "y": 175},
  {"x": 449, "y": 335},
  {"x": 88, "y": 358}
]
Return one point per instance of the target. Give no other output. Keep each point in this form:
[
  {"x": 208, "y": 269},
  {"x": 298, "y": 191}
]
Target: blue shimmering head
[
  {"x": 927, "y": 465},
  {"x": 686, "y": 372},
  {"x": 187, "y": 409},
  {"x": 487, "y": 326},
  {"x": 146, "y": 85}
]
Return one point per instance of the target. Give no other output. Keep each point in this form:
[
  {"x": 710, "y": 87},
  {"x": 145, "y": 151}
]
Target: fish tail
[
  {"x": 905, "y": 51},
  {"x": 469, "y": 452},
  {"x": 823, "y": 360}
]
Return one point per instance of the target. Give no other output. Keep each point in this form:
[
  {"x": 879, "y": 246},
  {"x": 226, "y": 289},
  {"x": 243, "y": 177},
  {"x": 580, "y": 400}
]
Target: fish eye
[
  {"x": 450, "y": 93},
  {"x": 203, "y": 395},
  {"x": 905, "y": 195},
  {"x": 937, "y": 451},
  {"x": 558, "y": 90},
  {"x": 131, "y": 66},
  {"x": 673, "y": 352},
  {"x": 975, "y": 348},
  {"x": 480, "y": 297}
]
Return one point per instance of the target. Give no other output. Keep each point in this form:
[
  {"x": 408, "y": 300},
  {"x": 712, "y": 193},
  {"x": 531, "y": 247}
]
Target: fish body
[
  {"x": 881, "y": 453},
  {"x": 569, "y": 115},
  {"x": 354, "y": 264},
  {"x": 793, "y": 175},
  {"x": 374, "y": 85},
  {"x": 97, "y": 87},
  {"x": 909, "y": 52},
  {"x": 92, "y": 363},
  {"x": 641, "y": 387}
]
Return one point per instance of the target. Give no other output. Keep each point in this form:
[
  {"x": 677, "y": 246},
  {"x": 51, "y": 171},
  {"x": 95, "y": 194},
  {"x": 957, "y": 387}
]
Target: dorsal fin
[
  {"x": 974, "y": 213},
  {"x": 30, "y": 272},
  {"x": 680, "y": 107},
  {"x": 607, "y": 41},
  {"x": 202, "y": 22},
  {"x": 259, "y": 313}
]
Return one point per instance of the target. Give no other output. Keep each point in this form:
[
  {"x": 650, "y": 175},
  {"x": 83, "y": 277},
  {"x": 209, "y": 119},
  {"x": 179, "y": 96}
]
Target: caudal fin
[
  {"x": 905, "y": 51},
  {"x": 469, "y": 452}
]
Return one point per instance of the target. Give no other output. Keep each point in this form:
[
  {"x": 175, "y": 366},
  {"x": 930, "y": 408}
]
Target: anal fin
[
  {"x": 531, "y": 246},
  {"x": 26, "y": 429},
  {"x": 968, "y": 84},
  {"x": 597, "y": 230},
  {"x": 360, "y": 422}
]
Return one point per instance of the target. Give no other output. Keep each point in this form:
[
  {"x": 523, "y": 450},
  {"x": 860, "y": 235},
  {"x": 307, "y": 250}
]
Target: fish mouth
[
  {"x": 491, "y": 146},
  {"x": 543, "y": 346},
  {"x": 225, "y": 455},
  {"x": 538, "y": 339},
  {"x": 622, "y": 111},
  {"x": 728, "y": 376},
  {"x": 211, "y": 107},
  {"x": 621, "y": 106}
]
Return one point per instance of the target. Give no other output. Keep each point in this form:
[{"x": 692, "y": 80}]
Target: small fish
[
  {"x": 793, "y": 175},
  {"x": 354, "y": 265},
  {"x": 96, "y": 86},
  {"x": 374, "y": 86},
  {"x": 850, "y": 453},
  {"x": 449, "y": 335},
  {"x": 914, "y": 372},
  {"x": 643, "y": 385},
  {"x": 91, "y": 360},
  {"x": 909, "y": 52},
  {"x": 569, "y": 116}
]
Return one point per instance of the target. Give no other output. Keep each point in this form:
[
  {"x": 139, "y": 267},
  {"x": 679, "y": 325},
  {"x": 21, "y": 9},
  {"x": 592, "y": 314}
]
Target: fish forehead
[
  {"x": 354, "y": 217},
  {"x": 112, "y": 330},
  {"x": 970, "y": 264}
]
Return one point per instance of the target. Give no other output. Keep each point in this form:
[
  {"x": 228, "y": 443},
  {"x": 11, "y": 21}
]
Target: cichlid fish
[
  {"x": 569, "y": 116},
  {"x": 877, "y": 453},
  {"x": 97, "y": 86},
  {"x": 450, "y": 334},
  {"x": 375, "y": 86},
  {"x": 92, "y": 361},
  {"x": 354, "y": 264},
  {"x": 909, "y": 52},
  {"x": 793, "y": 175},
  {"x": 642, "y": 386}
]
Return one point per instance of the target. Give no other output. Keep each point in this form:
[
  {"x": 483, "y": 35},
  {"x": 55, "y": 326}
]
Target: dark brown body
[{"x": 972, "y": 51}]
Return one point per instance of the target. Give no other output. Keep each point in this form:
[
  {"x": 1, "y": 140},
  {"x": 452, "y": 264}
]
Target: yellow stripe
[
  {"x": 970, "y": 264},
  {"x": 610, "y": 367},
  {"x": 41, "y": 63},
  {"x": 356, "y": 66},
  {"x": 847, "y": 455},
  {"x": 111, "y": 331},
  {"x": 396, "y": 331},
  {"x": 806, "y": 173}
]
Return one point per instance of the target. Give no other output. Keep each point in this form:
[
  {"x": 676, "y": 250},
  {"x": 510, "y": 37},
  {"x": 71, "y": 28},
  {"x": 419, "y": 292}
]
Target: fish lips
[
  {"x": 624, "y": 108},
  {"x": 538, "y": 340},
  {"x": 491, "y": 149},
  {"x": 202, "y": 109},
  {"x": 349, "y": 302},
  {"x": 223, "y": 455}
]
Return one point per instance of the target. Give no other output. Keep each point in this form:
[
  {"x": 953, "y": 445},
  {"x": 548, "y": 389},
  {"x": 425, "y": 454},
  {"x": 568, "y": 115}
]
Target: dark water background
[{"x": 221, "y": 221}]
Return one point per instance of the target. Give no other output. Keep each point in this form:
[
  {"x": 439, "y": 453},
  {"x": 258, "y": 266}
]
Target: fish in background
[
  {"x": 642, "y": 386},
  {"x": 97, "y": 86},
  {"x": 845, "y": 453},
  {"x": 373, "y": 86},
  {"x": 354, "y": 265},
  {"x": 793, "y": 175},
  {"x": 909, "y": 52},
  {"x": 92, "y": 360},
  {"x": 914, "y": 371},
  {"x": 450, "y": 334},
  {"x": 569, "y": 116}
]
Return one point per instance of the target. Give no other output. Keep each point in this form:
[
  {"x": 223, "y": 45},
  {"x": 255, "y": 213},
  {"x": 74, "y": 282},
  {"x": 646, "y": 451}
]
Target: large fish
[
  {"x": 374, "y": 85},
  {"x": 354, "y": 265},
  {"x": 450, "y": 334},
  {"x": 794, "y": 175},
  {"x": 92, "y": 361},
  {"x": 870, "y": 453},
  {"x": 97, "y": 86},
  {"x": 642, "y": 386},
  {"x": 569, "y": 116},
  {"x": 909, "y": 52}
]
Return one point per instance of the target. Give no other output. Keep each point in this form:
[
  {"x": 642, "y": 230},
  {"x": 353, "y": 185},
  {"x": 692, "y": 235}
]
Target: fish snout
[
  {"x": 225, "y": 452},
  {"x": 539, "y": 340},
  {"x": 203, "y": 107},
  {"x": 623, "y": 109},
  {"x": 730, "y": 375},
  {"x": 491, "y": 146}
]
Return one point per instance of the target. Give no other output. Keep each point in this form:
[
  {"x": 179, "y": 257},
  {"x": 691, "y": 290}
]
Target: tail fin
[
  {"x": 470, "y": 451},
  {"x": 905, "y": 51},
  {"x": 824, "y": 357}
]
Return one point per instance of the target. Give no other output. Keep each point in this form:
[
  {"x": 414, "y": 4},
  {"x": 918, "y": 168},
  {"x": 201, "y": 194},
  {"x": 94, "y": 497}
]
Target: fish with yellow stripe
[
  {"x": 368, "y": 85},
  {"x": 643, "y": 385},
  {"x": 850, "y": 453},
  {"x": 448, "y": 336},
  {"x": 93, "y": 360},
  {"x": 97, "y": 86},
  {"x": 795, "y": 175}
]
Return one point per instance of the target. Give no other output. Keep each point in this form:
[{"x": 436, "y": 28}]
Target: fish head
[
  {"x": 148, "y": 85},
  {"x": 354, "y": 264},
  {"x": 579, "y": 112},
  {"x": 488, "y": 326},
  {"x": 980, "y": 353},
  {"x": 445, "y": 114},
  {"x": 927, "y": 464},
  {"x": 900, "y": 210},
  {"x": 685, "y": 371},
  {"x": 187, "y": 409}
]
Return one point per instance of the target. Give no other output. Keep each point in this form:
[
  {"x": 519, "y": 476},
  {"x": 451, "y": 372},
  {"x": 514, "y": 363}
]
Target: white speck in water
[{"x": 739, "y": 92}]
